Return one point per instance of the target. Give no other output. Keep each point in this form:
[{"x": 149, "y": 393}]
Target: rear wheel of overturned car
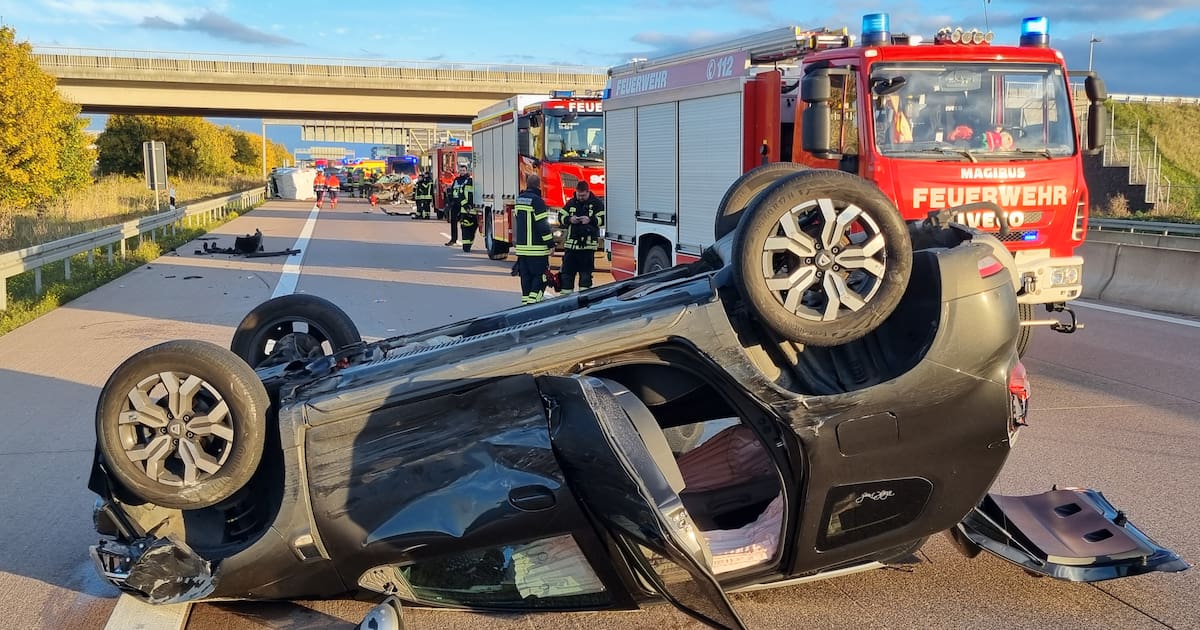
[
  {"x": 1025, "y": 311},
  {"x": 823, "y": 257},
  {"x": 744, "y": 189},
  {"x": 319, "y": 320},
  {"x": 182, "y": 424}
]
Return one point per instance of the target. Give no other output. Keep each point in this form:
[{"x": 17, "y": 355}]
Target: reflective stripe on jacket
[
  {"x": 531, "y": 225},
  {"x": 582, "y": 235}
]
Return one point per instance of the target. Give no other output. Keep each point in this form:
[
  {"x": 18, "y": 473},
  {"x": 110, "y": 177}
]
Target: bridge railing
[
  {"x": 20, "y": 261},
  {"x": 265, "y": 65}
]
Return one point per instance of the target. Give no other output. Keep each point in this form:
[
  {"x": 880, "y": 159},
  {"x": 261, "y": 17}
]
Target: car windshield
[
  {"x": 575, "y": 138},
  {"x": 971, "y": 111}
]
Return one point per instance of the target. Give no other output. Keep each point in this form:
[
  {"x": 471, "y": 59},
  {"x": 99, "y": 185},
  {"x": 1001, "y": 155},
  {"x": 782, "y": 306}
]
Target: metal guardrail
[
  {"x": 20, "y": 261},
  {"x": 1145, "y": 227},
  {"x": 1154, "y": 98}
]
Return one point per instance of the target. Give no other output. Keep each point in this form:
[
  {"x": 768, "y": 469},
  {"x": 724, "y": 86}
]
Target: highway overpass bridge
[{"x": 167, "y": 83}]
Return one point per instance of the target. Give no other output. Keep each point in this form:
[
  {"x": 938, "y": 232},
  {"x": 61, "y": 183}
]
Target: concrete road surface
[{"x": 1115, "y": 407}]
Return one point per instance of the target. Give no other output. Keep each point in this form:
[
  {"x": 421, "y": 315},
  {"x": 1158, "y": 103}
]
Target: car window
[{"x": 543, "y": 573}]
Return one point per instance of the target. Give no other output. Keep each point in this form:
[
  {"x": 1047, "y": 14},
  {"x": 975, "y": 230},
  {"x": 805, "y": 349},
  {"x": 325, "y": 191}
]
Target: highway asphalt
[{"x": 1114, "y": 407}]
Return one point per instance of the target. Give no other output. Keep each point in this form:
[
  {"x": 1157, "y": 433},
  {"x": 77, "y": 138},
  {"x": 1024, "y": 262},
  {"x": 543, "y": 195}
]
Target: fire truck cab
[
  {"x": 559, "y": 136},
  {"x": 447, "y": 157},
  {"x": 985, "y": 131}
]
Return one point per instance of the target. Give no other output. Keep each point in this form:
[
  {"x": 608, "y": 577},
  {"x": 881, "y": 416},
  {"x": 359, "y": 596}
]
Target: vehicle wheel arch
[{"x": 646, "y": 243}]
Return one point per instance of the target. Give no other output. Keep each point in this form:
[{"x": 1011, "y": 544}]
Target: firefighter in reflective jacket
[
  {"x": 532, "y": 239},
  {"x": 583, "y": 216},
  {"x": 462, "y": 194},
  {"x": 423, "y": 193}
]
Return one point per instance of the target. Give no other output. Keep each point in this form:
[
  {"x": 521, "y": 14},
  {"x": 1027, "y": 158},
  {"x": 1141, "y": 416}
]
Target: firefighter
[
  {"x": 533, "y": 240},
  {"x": 462, "y": 194},
  {"x": 423, "y": 193},
  {"x": 583, "y": 217},
  {"x": 319, "y": 187},
  {"x": 333, "y": 184}
]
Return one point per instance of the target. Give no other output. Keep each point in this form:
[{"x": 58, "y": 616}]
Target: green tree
[
  {"x": 247, "y": 150},
  {"x": 43, "y": 151},
  {"x": 195, "y": 147}
]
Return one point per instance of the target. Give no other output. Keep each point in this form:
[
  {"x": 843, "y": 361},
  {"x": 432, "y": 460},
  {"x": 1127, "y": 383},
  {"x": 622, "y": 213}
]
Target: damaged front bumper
[{"x": 155, "y": 570}]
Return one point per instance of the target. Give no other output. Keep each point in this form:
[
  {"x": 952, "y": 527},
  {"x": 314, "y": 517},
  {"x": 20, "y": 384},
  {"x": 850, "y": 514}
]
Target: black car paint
[{"x": 455, "y": 394}]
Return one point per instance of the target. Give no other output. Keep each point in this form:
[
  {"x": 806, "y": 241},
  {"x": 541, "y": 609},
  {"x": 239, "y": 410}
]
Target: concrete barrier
[
  {"x": 1099, "y": 262},
  {"x": 1150, "y": 277}
]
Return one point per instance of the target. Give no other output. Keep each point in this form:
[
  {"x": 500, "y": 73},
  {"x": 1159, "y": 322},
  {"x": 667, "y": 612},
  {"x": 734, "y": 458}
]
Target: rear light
[
  {"x": 989, "y": 266},
  {"x": 1018, "y": 396}
]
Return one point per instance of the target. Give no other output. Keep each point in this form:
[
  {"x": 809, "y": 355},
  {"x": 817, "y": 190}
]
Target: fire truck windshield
[
  {"x": 971, "y": 111},
  {"x": 575, "y": 138}
]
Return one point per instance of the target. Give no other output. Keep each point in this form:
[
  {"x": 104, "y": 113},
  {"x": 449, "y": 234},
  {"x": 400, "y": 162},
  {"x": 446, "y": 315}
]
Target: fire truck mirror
[
  {"x": 815, "y": 130},
  {"x": 816, "y": 87},
  {"x": 1096, "y": 91},
  {"x": 1097, "y": 128}
]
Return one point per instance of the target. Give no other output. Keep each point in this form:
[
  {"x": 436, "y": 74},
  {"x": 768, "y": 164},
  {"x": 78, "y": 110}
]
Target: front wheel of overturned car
[
  {"x": 320, "y": 321},
  {"x": 182, "y": 424},
  {"x": 1025, "y": 311},
  {"x": 823, "y": 257}
]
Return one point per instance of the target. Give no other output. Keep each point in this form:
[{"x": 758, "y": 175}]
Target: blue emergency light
[
  {"x": 562, "y": 93},
  {"x": 1035, "y": 31},
  {"x": 876, "y": 29},
  {"x": 1030, "y": 236}
]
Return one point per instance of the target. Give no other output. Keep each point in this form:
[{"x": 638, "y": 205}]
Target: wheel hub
[
  {"x": 824, "y": 260},
  {"x": 176, "y": 428}
]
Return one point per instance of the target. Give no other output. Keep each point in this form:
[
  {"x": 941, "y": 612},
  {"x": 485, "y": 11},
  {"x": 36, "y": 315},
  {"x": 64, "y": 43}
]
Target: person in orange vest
[
  {"x": 319, "y": 187},
  {"x": 333, "y": 184}
]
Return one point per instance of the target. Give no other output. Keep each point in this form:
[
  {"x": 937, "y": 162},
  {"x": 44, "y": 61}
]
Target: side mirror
[
  {"x": 385, "y": 616},
  {"x": 1095, "y": 88},
  {"x": 816, "y": 90},
  {"x": 523, "y": 142},
  {"x": 1097, "y": 127}
]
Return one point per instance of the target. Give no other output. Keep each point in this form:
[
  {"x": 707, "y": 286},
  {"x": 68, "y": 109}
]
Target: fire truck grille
[
  {"x": 569, "y": 181},
  {"x": 1016, "y": 235}
]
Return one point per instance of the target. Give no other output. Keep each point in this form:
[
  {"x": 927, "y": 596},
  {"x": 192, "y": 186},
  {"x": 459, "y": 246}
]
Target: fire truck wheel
[
  {"x": 656, "y": 259},
  {"x": 823, "y": 257},
  {"x": 316, "y": 319},
  {"x": 496, "y": 250},
  {"x": 1026, "y": 313},
  {"x": 744, "y": 189}
]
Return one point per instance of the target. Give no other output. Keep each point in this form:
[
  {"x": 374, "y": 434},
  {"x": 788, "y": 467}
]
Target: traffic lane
[
  {"x": 393, "y": 275},
  {"x": 51, "y": 372}
]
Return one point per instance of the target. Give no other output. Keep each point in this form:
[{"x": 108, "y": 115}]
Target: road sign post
[{"x": 154, "y": 162}]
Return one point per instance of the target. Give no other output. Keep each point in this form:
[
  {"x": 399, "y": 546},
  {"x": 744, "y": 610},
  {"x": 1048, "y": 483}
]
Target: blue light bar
[
  {"x": 1030, "y": 236},
  {"x": 1035, "y": 31},
  {"x": 876, "y": 29},
  {"x": 562, "y": 93}
]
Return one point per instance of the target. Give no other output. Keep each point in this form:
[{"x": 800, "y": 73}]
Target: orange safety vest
[{"x": 333, "y": 182}]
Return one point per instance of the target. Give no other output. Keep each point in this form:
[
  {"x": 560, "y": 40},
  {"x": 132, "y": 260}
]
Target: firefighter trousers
[
  {"x": 469, "y": 223},
  {"x": 424, "y": 209},
  {"x": 452, "y": 215},
  {"x": 577, "y": 261},
  {"x": 532, "y": 270}
]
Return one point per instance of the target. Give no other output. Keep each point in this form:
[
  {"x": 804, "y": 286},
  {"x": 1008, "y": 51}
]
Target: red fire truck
[
  {"x": 559, "y": 137},
  {"x": 447, "y": 157},
  {"x": 958, "y": 123}
]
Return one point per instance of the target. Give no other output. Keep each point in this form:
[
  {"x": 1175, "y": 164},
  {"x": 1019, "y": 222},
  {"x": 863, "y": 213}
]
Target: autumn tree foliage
[
  {"x": 44, "y": 152},
  {"x": 195, "y": 147}
]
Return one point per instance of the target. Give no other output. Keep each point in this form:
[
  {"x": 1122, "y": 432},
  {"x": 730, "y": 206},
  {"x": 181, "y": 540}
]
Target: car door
[{"x": 618, "y": 463}]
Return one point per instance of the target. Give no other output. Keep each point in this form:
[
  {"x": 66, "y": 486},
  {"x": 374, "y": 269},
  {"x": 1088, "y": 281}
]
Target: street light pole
[{"x": 1091, "y": 47}]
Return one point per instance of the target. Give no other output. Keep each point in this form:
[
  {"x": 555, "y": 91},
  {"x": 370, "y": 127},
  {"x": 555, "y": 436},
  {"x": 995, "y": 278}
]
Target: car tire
[
  {"x": 841, "y": 282},
  {"x": 156, "y": 430},
  {"x": 272, "y": 320},
  {"x": 744, "y": 189},
  {"x": 656, "y": 259},
  {"x": 1025, "y": 333}
]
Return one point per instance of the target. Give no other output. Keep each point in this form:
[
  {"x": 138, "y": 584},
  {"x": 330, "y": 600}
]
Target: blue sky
[{"x": 1147, "y": 47}]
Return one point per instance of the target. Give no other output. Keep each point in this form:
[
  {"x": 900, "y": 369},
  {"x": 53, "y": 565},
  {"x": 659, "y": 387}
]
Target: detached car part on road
[{"x": 663, "y": 437}]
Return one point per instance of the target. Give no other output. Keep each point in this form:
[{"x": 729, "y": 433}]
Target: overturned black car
[{"x": 822, "y": 391}]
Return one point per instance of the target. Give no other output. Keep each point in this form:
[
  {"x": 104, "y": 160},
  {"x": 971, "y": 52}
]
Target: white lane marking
[
  {"x": 1124, "y": 311},
  {"x": 445, "y": 235},
  {"x": 291, "y": 269},
  {"x": 133, "y": 614}
]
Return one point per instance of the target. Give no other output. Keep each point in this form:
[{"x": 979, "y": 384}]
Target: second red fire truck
[{"x": 559, "y": 137}]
